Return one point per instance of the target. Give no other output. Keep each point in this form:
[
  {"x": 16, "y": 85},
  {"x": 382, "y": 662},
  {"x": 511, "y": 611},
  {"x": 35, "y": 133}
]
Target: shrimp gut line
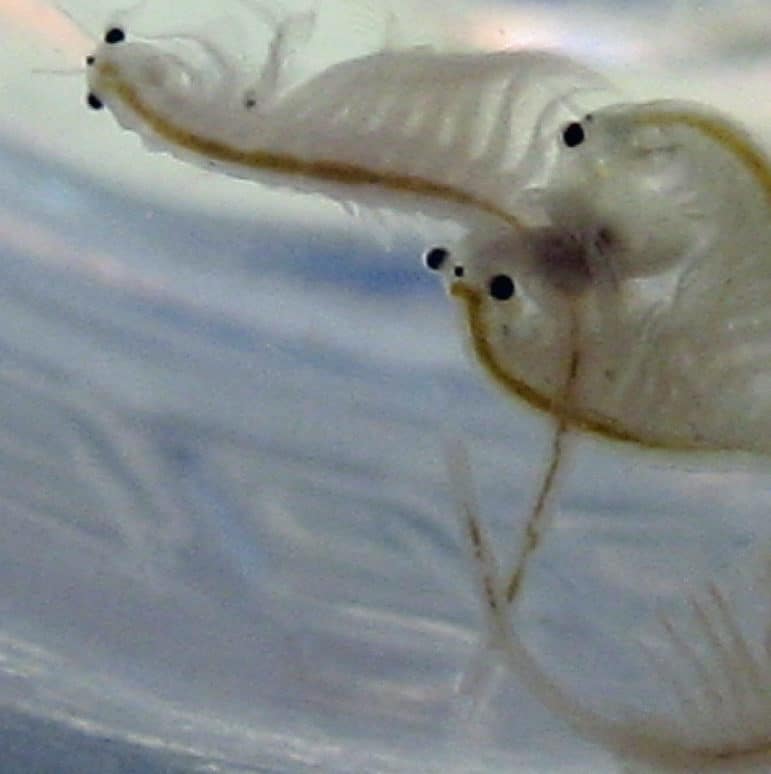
[
  {"x": 349, "y": 174},
  {"x": 520, "y": 389}
]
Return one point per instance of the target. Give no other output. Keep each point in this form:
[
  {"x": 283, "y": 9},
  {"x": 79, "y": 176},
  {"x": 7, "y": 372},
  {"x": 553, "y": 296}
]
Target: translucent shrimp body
[
  {"x": 452, "y": 133},
  {"x": 646, "y": 288}
]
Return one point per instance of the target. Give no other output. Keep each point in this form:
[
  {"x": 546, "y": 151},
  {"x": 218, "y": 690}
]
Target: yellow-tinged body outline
[
  {"x": 627, "y": 739},
  {"x": 756, "y": 164},
  {"x": 328, "y": 170},
  {"x": 351, "y": 174},
  {"x": 472, "y": 301}
]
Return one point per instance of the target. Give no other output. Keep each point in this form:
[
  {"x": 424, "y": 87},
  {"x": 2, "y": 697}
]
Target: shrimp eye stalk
[
  {"x": 436, "y": 257},
  {"x": 114, "y": 35},
  {"x": 501, "y": 287},
  {"x": 94, "y": 102},
  {"x": 573, "y": 134}
]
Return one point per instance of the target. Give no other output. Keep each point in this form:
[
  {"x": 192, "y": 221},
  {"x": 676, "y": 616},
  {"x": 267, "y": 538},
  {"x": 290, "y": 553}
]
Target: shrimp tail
[{"x": 719, "y": 675}]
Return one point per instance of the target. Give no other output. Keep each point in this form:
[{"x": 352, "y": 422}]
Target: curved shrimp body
[
  {"x": 616, "y": 273},
  {"x": 450, "y": 134},
  {"x": 640, "y": 310},
  {"x": 636, "y": 237}
]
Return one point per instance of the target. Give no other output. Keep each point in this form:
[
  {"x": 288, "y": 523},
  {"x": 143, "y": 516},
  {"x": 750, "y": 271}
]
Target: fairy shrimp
[{"x": 615, "y": 271}]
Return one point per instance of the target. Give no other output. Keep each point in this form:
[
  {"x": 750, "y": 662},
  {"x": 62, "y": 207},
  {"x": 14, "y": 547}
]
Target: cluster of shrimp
[{"x": 615, "y": 275}]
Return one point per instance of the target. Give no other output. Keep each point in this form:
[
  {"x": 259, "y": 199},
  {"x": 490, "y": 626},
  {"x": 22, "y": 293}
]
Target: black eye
[
  {"x": 94, "y": 102},
  {"x": 90, "y": 59},
  {"x": 436, "y": 257},
  {"x": 114, "y": 35},
  {"x": 573, "y": 134},
  {"x": 501, "y": 287}
]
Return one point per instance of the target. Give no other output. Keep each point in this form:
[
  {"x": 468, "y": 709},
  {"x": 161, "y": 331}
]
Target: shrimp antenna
[
  {"x": 501, "y": 639},
  {"x": 486, "y": 576},
  {"x": 541, "y": 514},
  {"x": 497, "y": 598},
  {"x": 479, "y": 678}
]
